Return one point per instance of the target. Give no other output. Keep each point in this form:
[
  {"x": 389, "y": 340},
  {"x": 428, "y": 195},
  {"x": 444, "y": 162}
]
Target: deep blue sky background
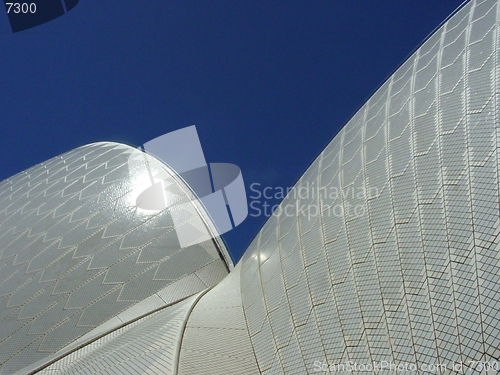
[{"x": 267, "y": 83}]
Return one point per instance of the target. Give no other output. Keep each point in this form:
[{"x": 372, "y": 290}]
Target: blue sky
[{"x": 267, "y": 83}]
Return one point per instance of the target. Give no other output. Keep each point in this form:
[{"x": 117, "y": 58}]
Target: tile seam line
[
  {"x": 180, "y": 336},
  {"x": 90, "y": 341}
]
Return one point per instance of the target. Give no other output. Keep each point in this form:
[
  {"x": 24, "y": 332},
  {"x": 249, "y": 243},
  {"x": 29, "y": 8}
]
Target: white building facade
[{"x": 399, "y": 267}]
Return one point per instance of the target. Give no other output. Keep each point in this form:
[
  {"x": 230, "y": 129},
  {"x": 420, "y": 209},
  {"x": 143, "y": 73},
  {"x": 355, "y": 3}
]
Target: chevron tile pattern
[
  {"x": 76, "y": 252},
  {"x": 146, "y": 346}
]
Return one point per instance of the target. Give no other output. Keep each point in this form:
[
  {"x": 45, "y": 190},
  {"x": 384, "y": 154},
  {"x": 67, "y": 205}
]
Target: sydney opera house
[{"x": 92, "y": 284}]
